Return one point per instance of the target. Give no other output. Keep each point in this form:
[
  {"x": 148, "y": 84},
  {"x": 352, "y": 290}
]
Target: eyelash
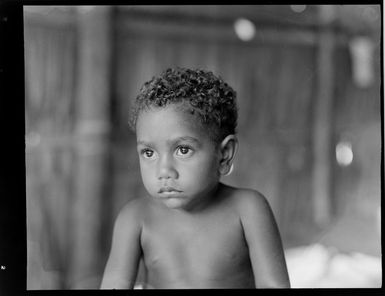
[
  {"x": 189, "y": 149},
  {"x": 143, "y": 153},
  {"x": 179, "y": 148}
]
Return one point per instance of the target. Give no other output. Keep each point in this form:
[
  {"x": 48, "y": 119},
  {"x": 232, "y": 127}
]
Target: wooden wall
[
  {"x": 50, "y": 87},
  {"x": 85, "y": 66}
]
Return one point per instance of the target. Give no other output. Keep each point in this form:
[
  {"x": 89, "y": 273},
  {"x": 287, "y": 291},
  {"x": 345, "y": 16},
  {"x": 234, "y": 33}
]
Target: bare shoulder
[
  {"x": 263, "y": 238},
  {"x": 249, "y": 202},
  {"x": 132, "y": 212}
]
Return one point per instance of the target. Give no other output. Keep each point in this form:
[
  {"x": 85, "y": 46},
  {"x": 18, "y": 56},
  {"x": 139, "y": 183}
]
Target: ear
[{"x": 228, "y": 150}]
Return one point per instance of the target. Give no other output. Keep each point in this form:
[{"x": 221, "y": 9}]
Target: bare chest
[{"x": 208, "y": 248}]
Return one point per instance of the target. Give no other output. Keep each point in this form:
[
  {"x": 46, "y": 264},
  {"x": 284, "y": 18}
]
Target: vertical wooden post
[
  {"x": 323, "y": 120},
  {"x": 92, "y": 131}
]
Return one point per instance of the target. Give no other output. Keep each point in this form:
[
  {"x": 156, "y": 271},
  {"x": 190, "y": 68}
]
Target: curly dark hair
[{"x": 213, "y": 100}]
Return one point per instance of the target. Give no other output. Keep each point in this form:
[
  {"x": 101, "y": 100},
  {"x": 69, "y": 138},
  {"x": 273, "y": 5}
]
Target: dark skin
[{"x": 212, "y": 236}]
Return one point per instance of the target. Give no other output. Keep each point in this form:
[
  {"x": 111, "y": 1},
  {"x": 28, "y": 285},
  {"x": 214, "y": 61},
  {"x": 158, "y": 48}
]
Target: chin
[{"x": 174, "y": 203}]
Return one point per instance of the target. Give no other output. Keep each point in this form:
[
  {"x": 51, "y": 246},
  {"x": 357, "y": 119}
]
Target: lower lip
[{"x": 170, "y": 193}]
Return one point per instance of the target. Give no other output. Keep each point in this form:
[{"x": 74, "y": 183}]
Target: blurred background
[{"x": 308, "y": 83}]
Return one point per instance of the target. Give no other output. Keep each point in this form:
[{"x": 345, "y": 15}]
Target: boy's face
[{"x": 178, "y": 161}]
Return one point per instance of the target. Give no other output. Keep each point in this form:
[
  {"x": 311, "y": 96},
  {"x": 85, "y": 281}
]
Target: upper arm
[
  {"x": 122, "y": 265},
  {"x": 264, "y": 242}
]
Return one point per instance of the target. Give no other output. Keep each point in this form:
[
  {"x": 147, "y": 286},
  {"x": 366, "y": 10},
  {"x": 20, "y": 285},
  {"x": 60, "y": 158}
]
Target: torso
[{"x": 203, "y": 250}]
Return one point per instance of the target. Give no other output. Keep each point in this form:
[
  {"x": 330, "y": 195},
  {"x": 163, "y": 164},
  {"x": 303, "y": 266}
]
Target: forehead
[{"x": 168, "y": 122}]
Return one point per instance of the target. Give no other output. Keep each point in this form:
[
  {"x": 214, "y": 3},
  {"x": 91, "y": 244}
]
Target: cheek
[
  {"x": 202, "y": 171},
  {"x": 147, "y": 175}
]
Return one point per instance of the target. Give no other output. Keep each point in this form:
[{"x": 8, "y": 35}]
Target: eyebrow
[{"x": 173, "y": 141}]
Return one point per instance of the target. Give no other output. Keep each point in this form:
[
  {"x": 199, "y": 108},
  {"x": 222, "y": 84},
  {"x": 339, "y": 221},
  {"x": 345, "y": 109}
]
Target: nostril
[
  {"x": 167, "y": 173},
  {"x": 166, "y": 169}
]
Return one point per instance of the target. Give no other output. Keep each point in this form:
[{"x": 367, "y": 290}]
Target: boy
[{"x": 192, "y": 231}]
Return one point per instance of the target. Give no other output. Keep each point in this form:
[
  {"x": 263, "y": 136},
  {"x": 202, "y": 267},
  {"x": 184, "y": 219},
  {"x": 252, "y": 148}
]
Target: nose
[{"x": 166, "y": 169}]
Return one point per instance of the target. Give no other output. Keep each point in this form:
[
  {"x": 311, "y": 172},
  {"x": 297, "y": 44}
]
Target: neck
[{"x": 203, "y": 202}]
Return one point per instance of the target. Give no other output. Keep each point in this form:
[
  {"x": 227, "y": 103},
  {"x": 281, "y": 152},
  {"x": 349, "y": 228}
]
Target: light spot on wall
[
  {"x": 298, "y": 8},
  {"x": 244, "y": 29},
  {"x": 361, "y": 49},
  {"x": 344, "y": 153}
]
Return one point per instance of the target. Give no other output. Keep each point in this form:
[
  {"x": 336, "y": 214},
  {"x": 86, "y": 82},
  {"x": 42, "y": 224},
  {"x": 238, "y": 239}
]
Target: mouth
[{"x": 169, "y": 190}]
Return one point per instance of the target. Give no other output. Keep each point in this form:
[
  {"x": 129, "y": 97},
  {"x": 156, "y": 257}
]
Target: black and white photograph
[{"x": 203, "y": 146}]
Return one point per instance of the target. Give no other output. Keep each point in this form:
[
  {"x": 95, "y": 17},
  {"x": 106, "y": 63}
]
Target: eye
[
  {"x": 184, "y": 151},
  {"x": 148, "y": 153}
]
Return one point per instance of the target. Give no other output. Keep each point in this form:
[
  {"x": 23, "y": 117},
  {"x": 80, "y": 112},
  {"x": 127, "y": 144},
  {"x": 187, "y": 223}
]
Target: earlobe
[
  {"x": 230, "y": 170},
  {"x": 229, "y": 147}
]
